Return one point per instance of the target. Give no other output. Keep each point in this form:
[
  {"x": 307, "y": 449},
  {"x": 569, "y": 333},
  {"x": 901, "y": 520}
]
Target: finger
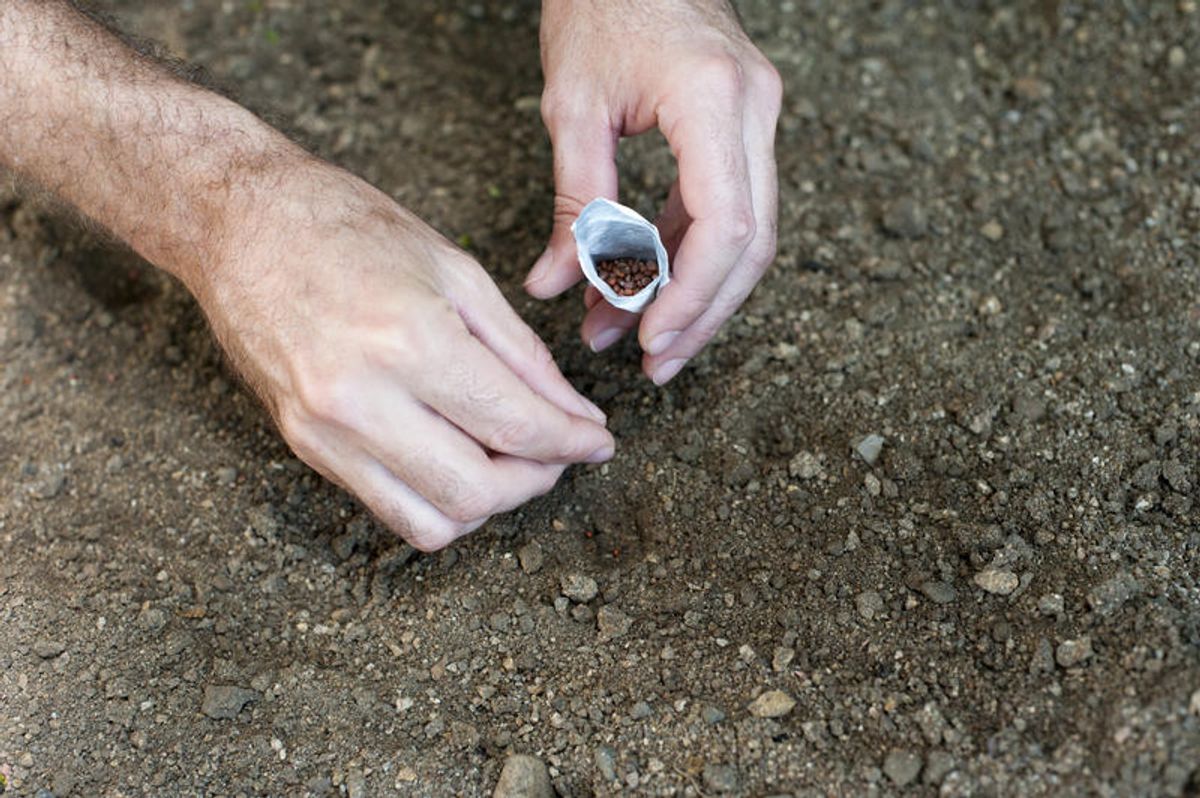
[
  {"x": 591, "y": 296},
  {"x": 493, "y": 321},
  {"x": 759, "y": 135},
  {"x": 339, "y": 459},
  {"x": 585, "y": 150},
  {"x": 673, "y": 222},
  {"x": 604, "y": 325},
  {"x": 445, "y": 467},
  {"x": 475, "y": 390},
  {"x": 715, "y": 189}
]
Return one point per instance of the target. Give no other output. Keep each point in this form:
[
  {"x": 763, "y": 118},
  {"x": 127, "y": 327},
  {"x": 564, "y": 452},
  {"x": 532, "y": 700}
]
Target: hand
[
  {"x": 390, "y": 360},
  {"x": 619, "y": 68}
]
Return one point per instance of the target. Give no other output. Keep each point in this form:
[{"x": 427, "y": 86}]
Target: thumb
[{"x": 585, "y": 149}]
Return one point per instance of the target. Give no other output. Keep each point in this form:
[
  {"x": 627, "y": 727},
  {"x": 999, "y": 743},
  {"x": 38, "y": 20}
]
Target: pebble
[
  {"x": 1109, "y": 596},
  {"x": 224, "y": 702},
  {"x": 713, "y": 715},
  {"x": 721, "y": 778},
  {"x": 579, "y": 588},
  {"x": 612, "y": 622},
  {"x": 772, "y": 704},
  {"x": 869, "y": 448},
  {"x": 997, "y": 581},
  {"x": 227, "y": 476},
  {"x": 1194, "y": 704},
  {"x": 1073, "y": 652},
  {"x": 1051, "y": 604},
  {"x": 605, "y": 760},
  {"x": 905, "y": 218},
  {"x": 937, "y": 765},
  {"x": 902, "y": 767},
  {"x": 805, "y": 465},
  {"x": 939, "y": 592},
  {"x": 869, "y": 604},
  {"x": 49, "y": 649},
  {"x": 531, "y": 557},
  {"x": 524, "y": 776},
  {"x": 641, "y": 710},
  {"x": 993, "y": 231}
]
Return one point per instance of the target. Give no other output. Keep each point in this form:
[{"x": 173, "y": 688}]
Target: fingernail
[
  {"x": 664, "y": 373},
  {"x": 601, "y": 455},
  {"x": 539, "y": 269},
  {"x": 593, "y": 410},
  {"x": 661, "y": 342},
  {"x": 605, "y": 338}
]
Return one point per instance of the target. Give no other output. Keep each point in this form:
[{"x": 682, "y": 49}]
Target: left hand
[{"x": 620, "y": 68}]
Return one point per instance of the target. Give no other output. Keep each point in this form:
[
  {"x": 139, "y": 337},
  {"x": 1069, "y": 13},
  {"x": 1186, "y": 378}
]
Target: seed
[{"x": 627, "y": 276}]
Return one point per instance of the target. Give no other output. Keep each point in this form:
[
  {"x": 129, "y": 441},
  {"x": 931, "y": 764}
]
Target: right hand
[{"x": 390, "y": 360}]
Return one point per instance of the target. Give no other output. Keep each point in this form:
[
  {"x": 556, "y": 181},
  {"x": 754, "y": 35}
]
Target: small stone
[
  {"x": 997, "y": 581},
  {"x": 782, "y": 658},
  {"x": 1194, "y": 704},
  {"x": 905, "y": 218},
  {"x": 869, "y": 604},
  {"x": 772, "y": 704},
  {"x": 1051, "y": 604},
  {"x": 641, "y": 710},
  {"x": 993, "y": 231},
  {"x": 902, "y": 767},
  {"x": 152, "y": 619},
  {"x": 605, "y": 759},
  {"x": 49, "y": 649},
  {"x": 937, "y": 765},
  {"x": 1073, "y": 652},
  {"x": 226, "y": 476},
  {"x": 713, "y": 715},
  {"x": 612, "y": 622},
  {"x": 805, "y": 465},
  {"x": 939, "y": 592},
  {"x": 579, "y": 588},
  {"x": 869, "y": 447},
  {"x": 1109, "y": 596},
  {"x": 524, "y": 776},
  {"x": 224, "y": 702},
  {"x": 50, "y": 486},
  {"x": 1176, "y": 57},
  {"x": 356, "y": 784},
  {"x": 531, "y": 557},
  {"x": 721, "y": 778}
]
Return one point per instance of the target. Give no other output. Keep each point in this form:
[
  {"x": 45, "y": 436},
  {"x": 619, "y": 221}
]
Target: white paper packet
[{"x": 606, "y": 230}]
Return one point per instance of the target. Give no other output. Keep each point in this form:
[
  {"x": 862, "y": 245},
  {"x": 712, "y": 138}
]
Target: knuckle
[
  {"x": 721, "y": 73},
  {"x": 740, "y": 229},
  {"x": 512, "y": 435},
  {"x": 323, "y": 400},
  {"x": 432, "y": 537},
  {"x": 768, "y": 77},
  {"x": 469, "y": 505}
]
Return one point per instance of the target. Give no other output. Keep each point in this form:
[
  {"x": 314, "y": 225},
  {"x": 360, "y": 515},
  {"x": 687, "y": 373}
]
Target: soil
[{"x": 988, "y": 261}]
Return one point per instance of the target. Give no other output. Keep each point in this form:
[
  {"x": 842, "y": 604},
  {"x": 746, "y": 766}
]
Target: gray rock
[
  {"x": 49, "y": 649},
  {"x": 524, "y": 776},
  {"x": 712, "y": 715},
  {"x": 869, "y": 448},
  {"x": 605, "y": 760},
  {"x": 579, "y": 588},
  {"x": 1109, "y": 596},
  {"x": 612, "y": 622},
  {"x": 1073, "y": 652},
  {"x": 641, "y": 710},
  {"x": 721, "y": 778},
  {"x": 997, "y": 581},
  {"x": 902, "y": 767},
  {"x": 531, "y": 557},
  {"x": 937, "y": 765},
  {"x": 869, "y": 604},
  {"x": 224, "y": 702},
  {"x": 805, "y": 465},
  {"x": 152, "y": 619},
  {"x": 772, "y": 704},
  {"x": 905, "y": 218},
  {"x": 1051, "y": 604},
  {"x": 356, "y": 784},
  {"x": 939, "y": 592}
]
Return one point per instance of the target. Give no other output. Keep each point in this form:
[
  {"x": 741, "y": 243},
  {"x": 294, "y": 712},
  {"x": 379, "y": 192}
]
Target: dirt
[{"x": 988, "y": 260}]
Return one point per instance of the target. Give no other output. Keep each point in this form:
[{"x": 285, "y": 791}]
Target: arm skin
[
  {"x": 389, "y": 359},
  {"x": 622, "y": 67}
]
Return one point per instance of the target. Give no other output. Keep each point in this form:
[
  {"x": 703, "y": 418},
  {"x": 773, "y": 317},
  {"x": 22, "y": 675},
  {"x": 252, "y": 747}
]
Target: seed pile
[{"x": 627, "y": 276}]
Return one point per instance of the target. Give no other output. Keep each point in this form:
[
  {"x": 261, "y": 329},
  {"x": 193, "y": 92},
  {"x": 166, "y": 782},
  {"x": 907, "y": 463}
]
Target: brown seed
[{"x": 627, "y": 276}]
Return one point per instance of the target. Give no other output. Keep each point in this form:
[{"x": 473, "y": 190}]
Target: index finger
[{"x": 706, "y": 138}]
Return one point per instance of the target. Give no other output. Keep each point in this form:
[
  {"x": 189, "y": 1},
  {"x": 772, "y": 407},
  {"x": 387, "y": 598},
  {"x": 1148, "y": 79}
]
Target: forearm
[{"x": 161, "y": 163}]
